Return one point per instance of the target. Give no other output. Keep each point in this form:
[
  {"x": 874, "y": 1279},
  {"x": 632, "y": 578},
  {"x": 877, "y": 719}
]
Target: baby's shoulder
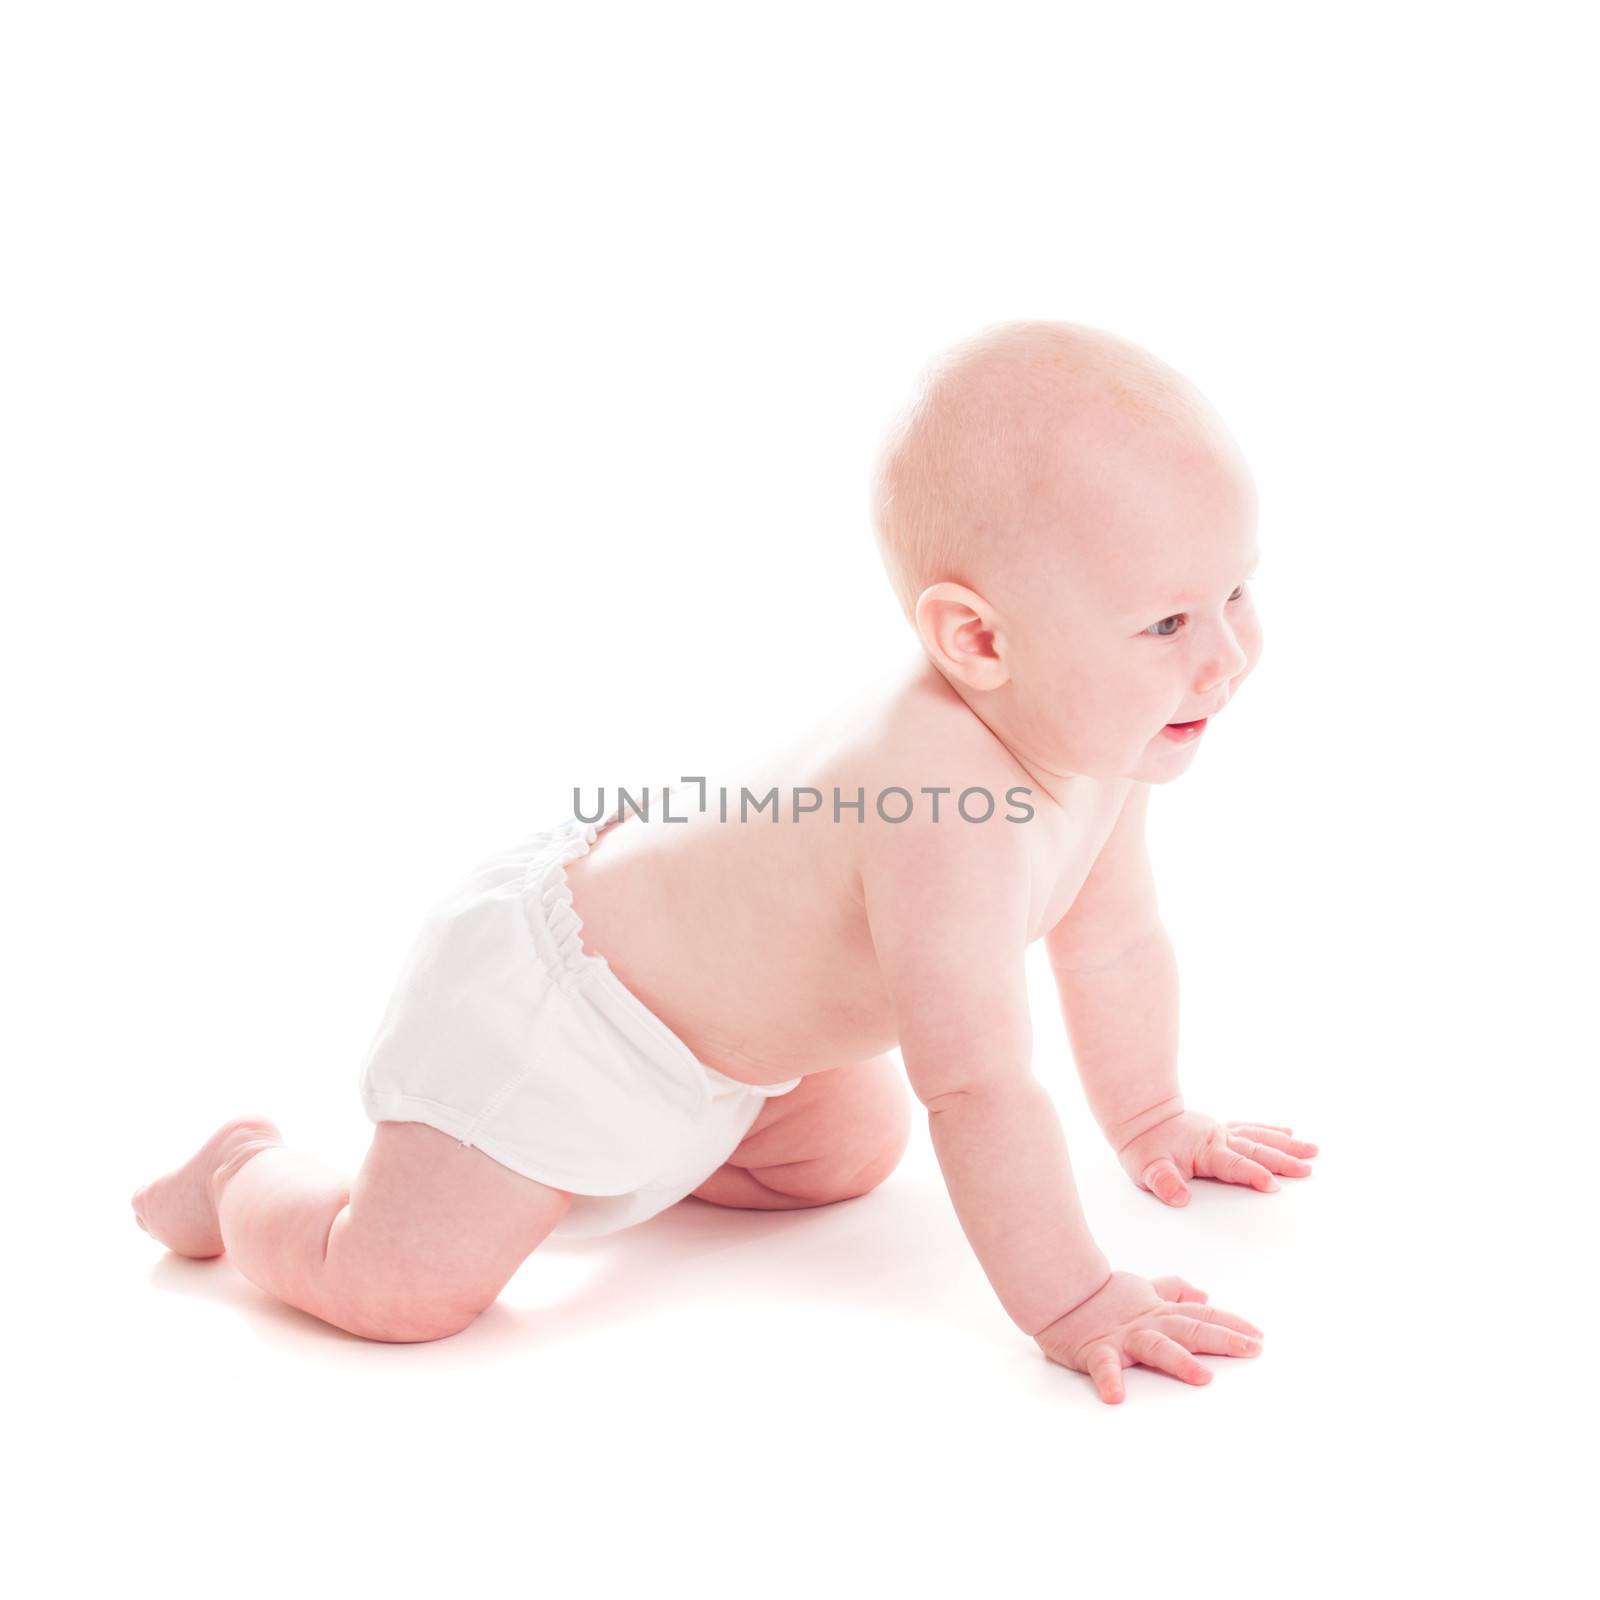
[{"x": 944, "y": 796}]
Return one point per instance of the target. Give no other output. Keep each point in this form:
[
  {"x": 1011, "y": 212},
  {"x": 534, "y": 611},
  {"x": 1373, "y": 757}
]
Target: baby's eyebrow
[{"x": 1184, "y": 605}]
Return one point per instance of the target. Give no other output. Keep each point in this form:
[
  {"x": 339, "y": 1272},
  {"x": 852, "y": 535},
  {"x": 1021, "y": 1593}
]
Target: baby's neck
[{"x": 1058, "y": 787}]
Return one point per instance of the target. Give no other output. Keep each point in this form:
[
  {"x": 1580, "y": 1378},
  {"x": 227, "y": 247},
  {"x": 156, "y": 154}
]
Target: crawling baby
[{"x": 699, "y": 991}]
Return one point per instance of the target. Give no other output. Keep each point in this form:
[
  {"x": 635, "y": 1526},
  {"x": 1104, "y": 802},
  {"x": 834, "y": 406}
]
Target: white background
[{"x": 411, "y": 411}]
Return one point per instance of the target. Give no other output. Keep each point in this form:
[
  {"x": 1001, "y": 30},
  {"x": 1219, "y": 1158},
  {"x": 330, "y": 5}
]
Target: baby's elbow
[
  {"x": 1083, "y": 951},
  {"x": 944, "y": 1086}
]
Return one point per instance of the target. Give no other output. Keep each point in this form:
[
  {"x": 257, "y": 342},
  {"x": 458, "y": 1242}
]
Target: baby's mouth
[{"x": 1182, "y": 732}]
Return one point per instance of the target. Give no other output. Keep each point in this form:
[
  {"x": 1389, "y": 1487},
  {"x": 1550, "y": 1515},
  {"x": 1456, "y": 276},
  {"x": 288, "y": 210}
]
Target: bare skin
[{"x": 1100, "y": 599}]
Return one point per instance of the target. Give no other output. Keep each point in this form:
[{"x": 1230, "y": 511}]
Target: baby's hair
[{"x": 959, "y": 464}]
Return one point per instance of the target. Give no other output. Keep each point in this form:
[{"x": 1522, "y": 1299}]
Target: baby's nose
[{"x": 1227, "y": 661}]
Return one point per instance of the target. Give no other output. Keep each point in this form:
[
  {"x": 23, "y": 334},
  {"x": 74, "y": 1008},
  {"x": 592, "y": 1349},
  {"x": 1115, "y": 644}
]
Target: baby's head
[{"x": 1069, "y": 527}]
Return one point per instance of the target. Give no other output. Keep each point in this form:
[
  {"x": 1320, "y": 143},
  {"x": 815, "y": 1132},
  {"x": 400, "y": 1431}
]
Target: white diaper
[{"x": 505, "y": 1033}]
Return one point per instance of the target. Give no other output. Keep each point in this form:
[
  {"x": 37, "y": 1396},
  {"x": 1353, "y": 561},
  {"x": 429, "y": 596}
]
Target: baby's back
[{"x": 749, "y": 937}]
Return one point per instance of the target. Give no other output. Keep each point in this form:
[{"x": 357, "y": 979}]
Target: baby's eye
[
  {"x": 1238, "y": 594},
  {"x": 1161, "y": 630}
]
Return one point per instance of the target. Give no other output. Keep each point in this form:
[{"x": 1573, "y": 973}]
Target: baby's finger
[
  {"x": 1274, "y": 1126},
  {"x": 1274, "y": 1160},
  {"x": 1166, "y": 1355},
  {"x": 1231, "y": 1167},
  {"x": 1175, "y": 1288},
  {"x": 1209, "y": 1338},
  {"x": 1275, "y": 1137},
  {"x": 1105, "y": 1367},
  {"x": 1225, "y": 1319},
  {"x": 1165, "y": 1182}
]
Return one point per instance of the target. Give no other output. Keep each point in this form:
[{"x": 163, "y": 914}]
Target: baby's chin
[
  {"x": 1167, "y": 756},
  {"x": 1159, "y": 760},
  {"x": 1157, "y": 757}
]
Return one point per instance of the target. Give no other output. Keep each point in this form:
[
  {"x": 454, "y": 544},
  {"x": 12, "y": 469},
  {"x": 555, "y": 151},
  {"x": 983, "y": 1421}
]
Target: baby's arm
[
  {"x": 1118, "y": 981},
  {"x": 948, "y": 914}
]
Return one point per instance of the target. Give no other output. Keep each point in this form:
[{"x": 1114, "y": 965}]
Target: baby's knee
[
  {"x": 882, "y": 1135},
  {"x": 404, "y": 1314},
  {"x": 433, "y": 1232},
  {"x": 855, "y": 1169},
  {"x": 403, "y": 1286},
  {"x": 863, "y": 1138}
]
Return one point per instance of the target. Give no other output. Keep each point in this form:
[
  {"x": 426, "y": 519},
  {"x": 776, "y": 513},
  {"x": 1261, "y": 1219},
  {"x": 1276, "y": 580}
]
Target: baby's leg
[
  {"x": 424, "y": 1239},
  {"x": 836, "y": 1136}
]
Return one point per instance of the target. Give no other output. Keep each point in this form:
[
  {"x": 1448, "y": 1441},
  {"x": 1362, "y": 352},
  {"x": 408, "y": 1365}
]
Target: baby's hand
[
  {"x": 1156, "y": 1322},
  {"x": 1189, "y": 1145}
]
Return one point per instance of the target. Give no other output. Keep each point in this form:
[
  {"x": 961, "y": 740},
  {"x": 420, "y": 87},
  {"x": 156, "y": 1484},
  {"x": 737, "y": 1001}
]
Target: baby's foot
[{"x": 180, "y": 1210}]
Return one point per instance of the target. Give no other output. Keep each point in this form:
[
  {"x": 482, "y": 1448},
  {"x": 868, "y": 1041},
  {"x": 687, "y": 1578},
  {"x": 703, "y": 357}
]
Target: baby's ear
[{"x": 961, "y": 633}]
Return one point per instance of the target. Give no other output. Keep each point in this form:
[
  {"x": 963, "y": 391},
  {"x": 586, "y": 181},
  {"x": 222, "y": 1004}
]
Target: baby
[{"x": 698, "y": 991}]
